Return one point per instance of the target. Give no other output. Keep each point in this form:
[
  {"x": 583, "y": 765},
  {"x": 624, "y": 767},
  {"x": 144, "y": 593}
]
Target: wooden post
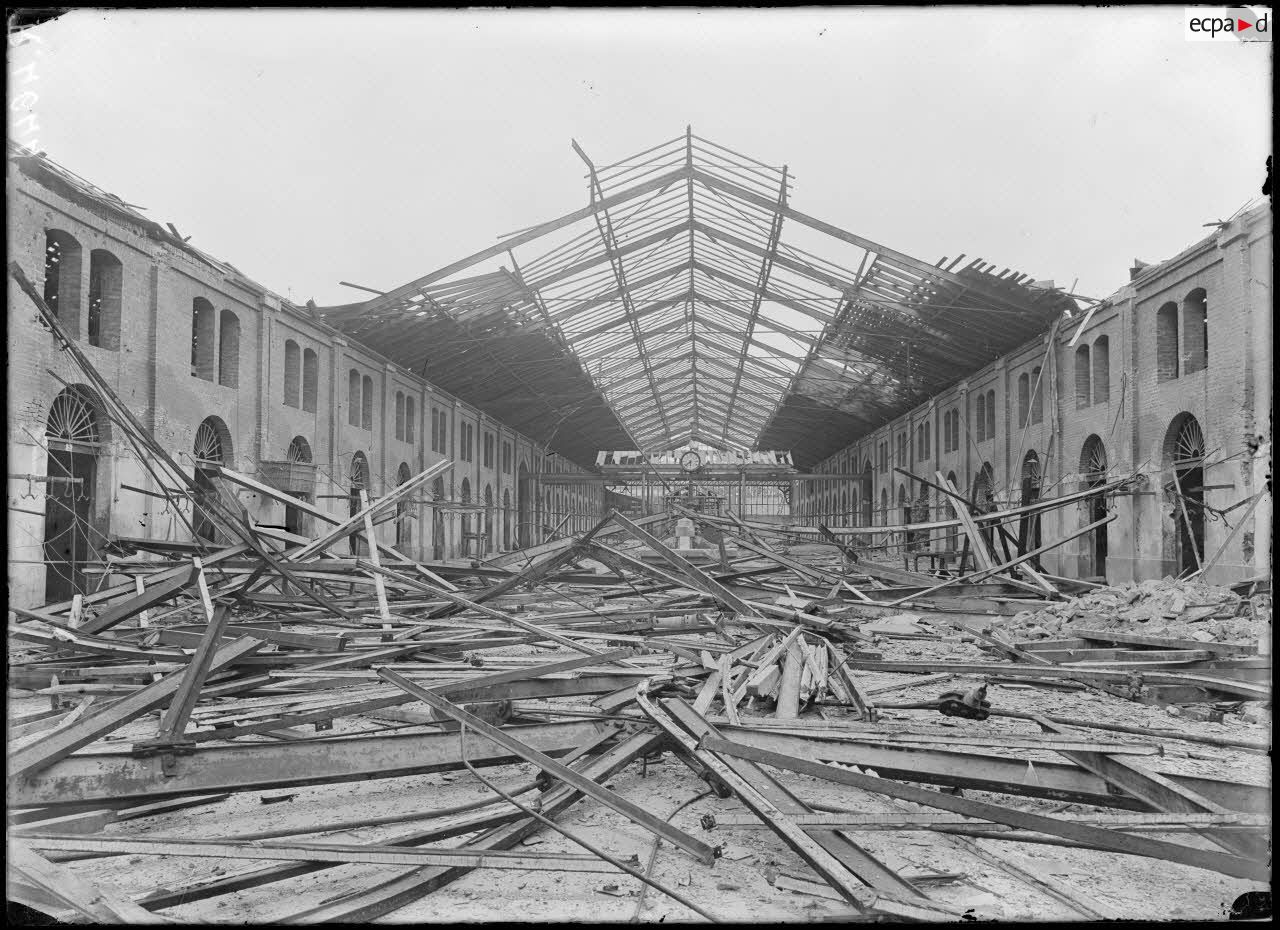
[
  {"x": 789, "y": 685},
  {"x": 379, "y": 585},
  {"x": 144, "y": 617}
]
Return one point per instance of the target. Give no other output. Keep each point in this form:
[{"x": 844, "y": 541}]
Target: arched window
[
  {"x": 980, "y": 417},
  {"x": 1083, "y": 374},
  {"x": 868, "y": 479},
  {"x": 106, "y": 279},
  {"x": 884, "y": 506},
  {"x": 1029, "y": 524},
  {"x": 62, "y": 278},
  {"x": 359, "y": 481},
  {"x": 1102, "y": 370},
  {"x": 72, "y": 431},
  {"x": 400, "y": 415},
  {"x": 1024, "y": 399},
  {"x": 296, "y": 520},
  {"x": 366, "y": 403},
  {"x": 488, "y": 518},
  {"x": 404, "y": 529},
  {"x": 1093, "y": 473},
  {"x": 991, "y": 414},
  {"x": 1037, "y": 396},
  {"x": 213, "y": 442},
  {"x": 353, "y": 397},
  {"x": 299, "y": 451},
  {"x": 229, "y": 350},
  {"x": 1195, "y": 331},
  {"x": 953, "y": 532},
  {"x": 212, "y": 447},
  {"x": 72, "y": 419},
  {"x": 1184, "y": 452},
  {"x": 984, "y": 499},
  {"x": 1167, "y": 342},
  {"x": 292, "y": 373},
  {"x": 437, "y": 520},
  {"x": 310, "y": 379},
  {"x": 904, "y": 513},
  {"x": 920, "y": 514},
  {"x": 466, "y": 516},
  {"x": 984, "y": 488},
  {"x": 203, "y": 337},
  {"x": 410, "y": 417},
  {"x": 506, "y": 519}
]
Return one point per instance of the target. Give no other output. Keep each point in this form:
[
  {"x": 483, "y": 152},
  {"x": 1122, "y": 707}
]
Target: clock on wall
[{"x": 691, "y": 461}]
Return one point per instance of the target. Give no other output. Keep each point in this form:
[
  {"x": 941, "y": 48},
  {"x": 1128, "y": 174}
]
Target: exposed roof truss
[{"x": 694, "y": 302}]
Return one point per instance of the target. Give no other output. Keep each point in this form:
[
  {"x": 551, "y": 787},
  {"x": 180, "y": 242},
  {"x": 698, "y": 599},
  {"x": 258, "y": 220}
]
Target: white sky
[{"x": 309, "y": 147}]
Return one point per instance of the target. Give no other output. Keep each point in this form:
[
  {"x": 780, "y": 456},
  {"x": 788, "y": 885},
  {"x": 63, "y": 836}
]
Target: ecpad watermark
[{"x": 1227, "y": 24}]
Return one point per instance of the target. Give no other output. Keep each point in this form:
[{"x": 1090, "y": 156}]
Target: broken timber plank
[
  {"x": 58, "y": 746},
  {"x": 628, "y": 809},
  {"x": 1223, "y": 863}
]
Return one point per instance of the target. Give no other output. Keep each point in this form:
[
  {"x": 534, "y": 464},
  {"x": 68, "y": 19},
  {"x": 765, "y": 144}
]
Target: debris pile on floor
[{"x": 1166, "y": 607}]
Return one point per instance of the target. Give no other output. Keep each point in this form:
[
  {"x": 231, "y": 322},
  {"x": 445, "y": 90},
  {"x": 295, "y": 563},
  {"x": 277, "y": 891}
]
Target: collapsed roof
[{"x": 689, "y": 301}]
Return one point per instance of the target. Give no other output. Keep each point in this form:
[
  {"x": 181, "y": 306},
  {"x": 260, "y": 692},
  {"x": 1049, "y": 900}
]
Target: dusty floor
[{"x": 738, "y": 886}]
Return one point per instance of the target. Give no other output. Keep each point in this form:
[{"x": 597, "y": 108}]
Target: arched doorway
[
  {"x": 506, "y": 520},
  {"x": 953, "y": 532},
  {"x": 488, "y": 542},
  {"x": 466, "y": 517},
  {"x": 920, "y": 514},
  {"x": 904, "y": 515},
  {"x": 1093, "y": 473},
  {"x": 212, "y": 447},
  {"x": 295, "y": 519},
  {"x": 437, "y": 521},
  {"x": 1184, "y": 453},
  {"x": 1029, "y": 524},
  {"x": 404, "y": 529},
  {"x": 868, "y": 500},
  {"x": 359, "y": 481},
  {"x": 74, "y": 440},
  {"x": 983, "y": 499},
  {"x": 524, "y": 505}
]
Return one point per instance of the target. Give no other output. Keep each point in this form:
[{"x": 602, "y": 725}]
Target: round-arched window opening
[
  {"x": 299, "y": 452},
  {"x": 73, "y": 418},
  {"x": 213, "y": 442}
]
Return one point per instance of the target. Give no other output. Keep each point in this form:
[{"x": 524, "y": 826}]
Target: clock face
[{"x": 690, "y": 461}]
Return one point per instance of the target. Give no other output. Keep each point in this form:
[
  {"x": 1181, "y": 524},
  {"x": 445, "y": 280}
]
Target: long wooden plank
[
  {"x": 838, "y": 843},
  {"x": 57, "y": 746},
  {"x": 155, "y": 593},
  {"x": 1097, "y": 837},
  {"x": 832, "y": 870},
  {"x": 318, "y": 852},
  {"x": 95, "y": 777},
  {"x": 1001, "y": 774},
  {"x": 1160, "y": 792},
  {"x": 98, "y": 904}
]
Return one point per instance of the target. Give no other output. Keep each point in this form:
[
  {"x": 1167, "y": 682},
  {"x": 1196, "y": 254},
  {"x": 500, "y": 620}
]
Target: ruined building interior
[{"x": 687, "y": 515}]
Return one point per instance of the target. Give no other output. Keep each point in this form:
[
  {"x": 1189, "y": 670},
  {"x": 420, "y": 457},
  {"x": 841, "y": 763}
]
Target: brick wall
[
  {"x": 1230, "y": 399},
  {"x": 150, "y": 369}
]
